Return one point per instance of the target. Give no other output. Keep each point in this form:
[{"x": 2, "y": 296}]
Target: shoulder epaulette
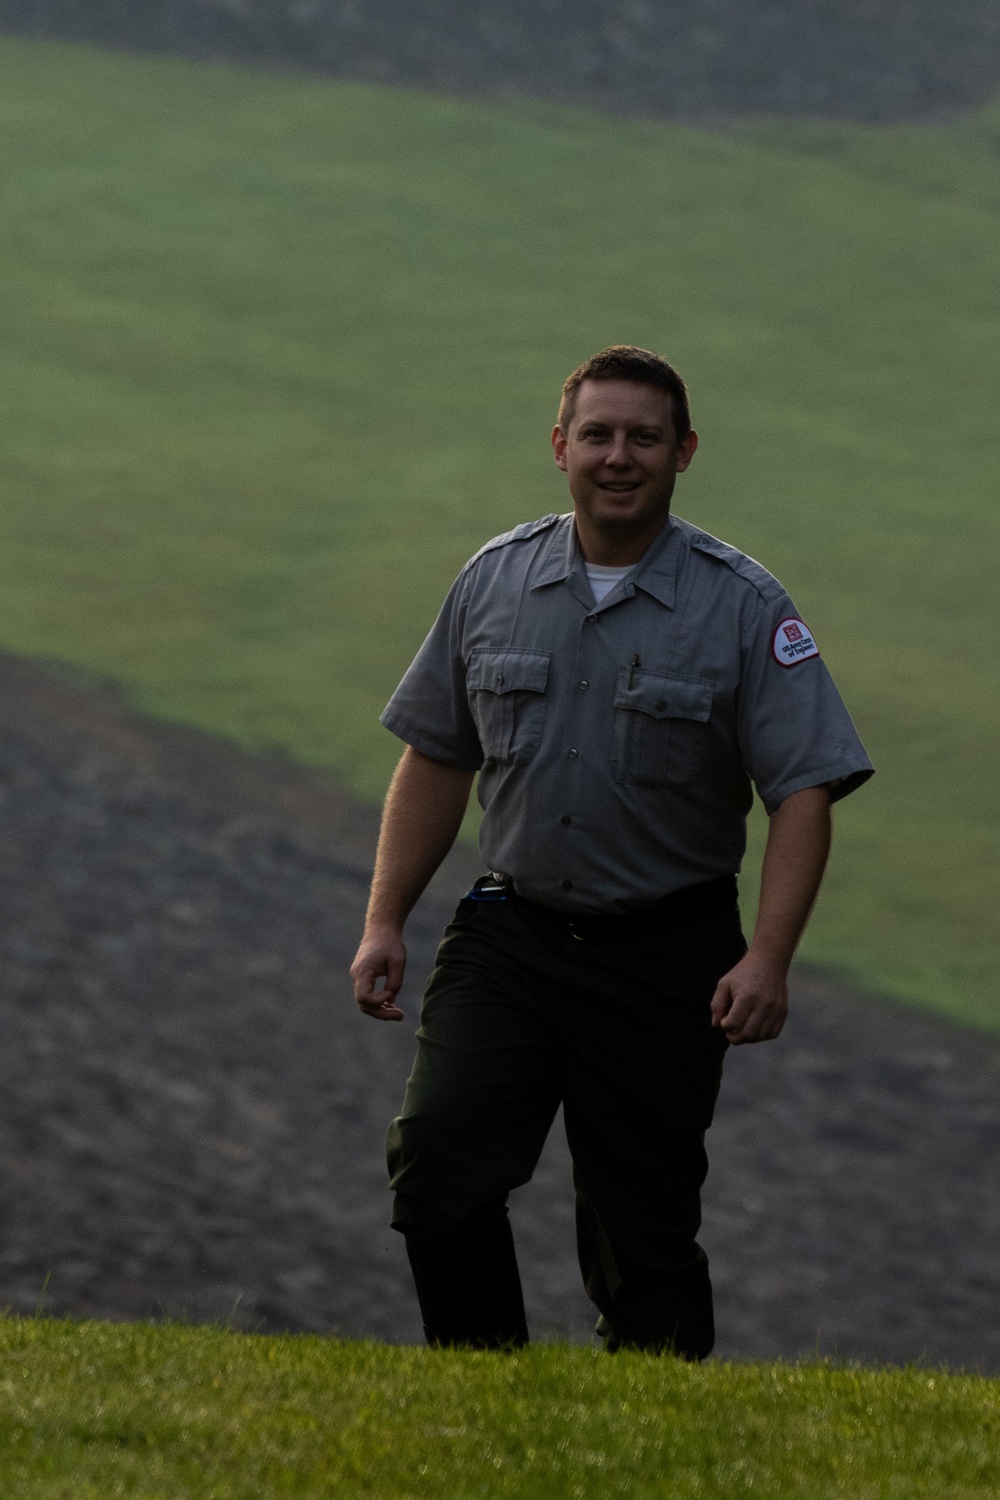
[
  {"x": 519, "y": 534},
  {"x": 746, "y": 567}
]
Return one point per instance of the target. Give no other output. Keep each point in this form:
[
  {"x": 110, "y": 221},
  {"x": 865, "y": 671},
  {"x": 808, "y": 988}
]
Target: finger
[
  {"x": 394, "y": 971},
  {"x": 742, "y": 1036},
  {"x": 771, "y": 1028},
  {"x": 750, "y": 1031},
  {"x": 721, "y": 1001},
  {"x": 365, "y": 977},
  {"x": 739, "y": 1015},
  {"x": 367, "y": 972},
  {"x": 762, "y": 1025},
  {"x": 380, "y": 1010}
]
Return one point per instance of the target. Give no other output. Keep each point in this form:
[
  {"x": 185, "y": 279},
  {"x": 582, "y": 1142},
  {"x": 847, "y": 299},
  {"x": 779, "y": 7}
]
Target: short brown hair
[{"x": 641, "y": 367}]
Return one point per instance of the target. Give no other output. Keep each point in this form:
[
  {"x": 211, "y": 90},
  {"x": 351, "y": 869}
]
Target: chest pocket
[
  {"x": 660, "y": 727},
  {"x": 507, "y": 697}
]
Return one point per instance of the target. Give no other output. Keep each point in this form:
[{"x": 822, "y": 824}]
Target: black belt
[{"x": 680, "y": 909}]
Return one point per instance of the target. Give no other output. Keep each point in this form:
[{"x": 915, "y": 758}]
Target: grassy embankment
[
  {"x": 277, "y": 354},
  {"x": 92, "y": 1410}
]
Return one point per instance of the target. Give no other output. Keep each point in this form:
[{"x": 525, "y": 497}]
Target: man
[{"x": 619, "y": 679}]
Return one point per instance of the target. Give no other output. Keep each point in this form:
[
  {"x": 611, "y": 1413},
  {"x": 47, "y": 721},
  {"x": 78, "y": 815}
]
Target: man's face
[{"x": 621, "y": 457}]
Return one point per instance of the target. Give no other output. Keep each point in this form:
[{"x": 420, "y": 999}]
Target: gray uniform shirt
[{"x": 618, "y": 744}]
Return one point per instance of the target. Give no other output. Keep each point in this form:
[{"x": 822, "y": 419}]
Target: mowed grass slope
[
  {"x": 92, "y": 1410},
  {"x": 277, "y": 354}
]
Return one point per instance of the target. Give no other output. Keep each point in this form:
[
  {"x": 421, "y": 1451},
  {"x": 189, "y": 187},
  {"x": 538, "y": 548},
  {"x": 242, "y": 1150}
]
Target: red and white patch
[{"x": 793, "y": 642}]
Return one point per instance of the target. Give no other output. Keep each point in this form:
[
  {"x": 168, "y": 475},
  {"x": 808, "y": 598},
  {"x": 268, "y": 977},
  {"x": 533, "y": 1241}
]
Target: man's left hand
[{"x": 751, "y": 1001}]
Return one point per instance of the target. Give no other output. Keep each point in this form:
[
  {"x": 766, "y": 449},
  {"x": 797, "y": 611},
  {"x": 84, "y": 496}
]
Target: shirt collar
[{"x": 655, "y": 572}]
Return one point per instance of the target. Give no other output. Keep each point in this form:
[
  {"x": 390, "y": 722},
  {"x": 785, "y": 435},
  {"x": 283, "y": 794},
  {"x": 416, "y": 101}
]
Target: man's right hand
[
  {"x": 423, "y": 813},
  {"x": 382, "y": 955}
]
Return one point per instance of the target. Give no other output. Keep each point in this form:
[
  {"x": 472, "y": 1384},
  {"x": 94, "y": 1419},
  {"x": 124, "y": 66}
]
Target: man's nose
[{"x": 618, "y": 456}]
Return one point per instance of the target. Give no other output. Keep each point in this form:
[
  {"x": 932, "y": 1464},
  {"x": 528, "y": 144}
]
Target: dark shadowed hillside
[
  {"x": 697, "y": 59},
  {"x": 192, "y": 1110}
]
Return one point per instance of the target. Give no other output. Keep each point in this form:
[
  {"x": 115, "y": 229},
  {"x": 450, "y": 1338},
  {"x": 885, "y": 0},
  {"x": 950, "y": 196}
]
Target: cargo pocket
[
  {"x": 659, "y": 727},
  {"x": 507, "y": 697}
]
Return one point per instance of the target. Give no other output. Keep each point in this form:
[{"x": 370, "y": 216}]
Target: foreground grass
[
  {"x": 277, "y": 354},
  {"x": 95, "y": 1410}
]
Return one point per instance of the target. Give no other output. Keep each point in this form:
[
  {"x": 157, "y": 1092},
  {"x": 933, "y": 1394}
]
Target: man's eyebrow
[
  {"x": 594, "y": 424},
  {"x": 635, "y": 427}
]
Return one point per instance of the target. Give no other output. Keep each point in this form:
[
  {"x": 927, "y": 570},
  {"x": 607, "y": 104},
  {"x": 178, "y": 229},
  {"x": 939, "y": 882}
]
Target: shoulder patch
[
  {"x": 518, "y": 534},
  {"x": 745, "y": 567},
  {"x": 793, "y": 642}
]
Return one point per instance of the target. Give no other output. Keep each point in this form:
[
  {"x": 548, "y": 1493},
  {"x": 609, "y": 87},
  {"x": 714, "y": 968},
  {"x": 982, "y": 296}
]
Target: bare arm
[
  {"x": 423, "y": 813},
  {"x": 751, "y": 1001}
]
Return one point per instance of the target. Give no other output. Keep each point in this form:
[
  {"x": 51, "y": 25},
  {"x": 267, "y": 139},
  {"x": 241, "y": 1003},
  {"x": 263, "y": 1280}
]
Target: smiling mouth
[{"x": 619, "y": 489}]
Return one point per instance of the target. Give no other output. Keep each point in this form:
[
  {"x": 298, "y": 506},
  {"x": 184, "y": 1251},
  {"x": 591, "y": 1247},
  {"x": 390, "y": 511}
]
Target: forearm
[
  {"x": 751, "y": 1001},
  {"x": 423, "y": 812},
  {"x": 798, "y": 845}
]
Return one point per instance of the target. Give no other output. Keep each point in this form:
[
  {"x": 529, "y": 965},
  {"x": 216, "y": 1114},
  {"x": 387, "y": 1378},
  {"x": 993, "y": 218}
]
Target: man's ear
[
  {"x": 559, "y": 447},
  {"x": 686, "y": 450}
]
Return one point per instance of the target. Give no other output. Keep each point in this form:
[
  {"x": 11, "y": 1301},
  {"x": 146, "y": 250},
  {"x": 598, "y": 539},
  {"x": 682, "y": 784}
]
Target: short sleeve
[
  {"x": 430, "y": 708},
  {"x": 793, "y": 727}
]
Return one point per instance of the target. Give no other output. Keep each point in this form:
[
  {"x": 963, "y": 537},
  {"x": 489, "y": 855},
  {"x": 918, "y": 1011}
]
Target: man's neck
[{"x": 614, "y": 550}]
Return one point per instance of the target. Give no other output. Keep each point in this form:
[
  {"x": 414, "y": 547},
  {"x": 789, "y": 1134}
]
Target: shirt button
[
  {"x": 573, "y": 754},
  {"x": 591, "y": 619},
  {"x": 583, "y": 686},
  {"x": 499, "y": 682},
  {"x": 567, "y": 885},
  {"x": 566, "y": 820}
]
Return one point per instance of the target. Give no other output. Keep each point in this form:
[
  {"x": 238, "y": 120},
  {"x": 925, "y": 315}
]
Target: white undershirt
[{"x": 603, "y": 580}]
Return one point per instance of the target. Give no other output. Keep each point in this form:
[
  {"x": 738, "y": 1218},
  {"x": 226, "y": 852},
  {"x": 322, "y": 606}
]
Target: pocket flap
[
  {"x": 664, "y": 697},
  {"x": 509, "y": 671}
]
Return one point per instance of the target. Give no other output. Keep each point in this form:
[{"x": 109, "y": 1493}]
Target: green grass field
[
  {"x": 92, "y": 1410},
  {"x": 277, "y": 354}
]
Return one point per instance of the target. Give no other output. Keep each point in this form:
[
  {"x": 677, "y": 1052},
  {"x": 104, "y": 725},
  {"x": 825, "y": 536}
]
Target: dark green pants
[{"x": 519, "y": 1015}]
